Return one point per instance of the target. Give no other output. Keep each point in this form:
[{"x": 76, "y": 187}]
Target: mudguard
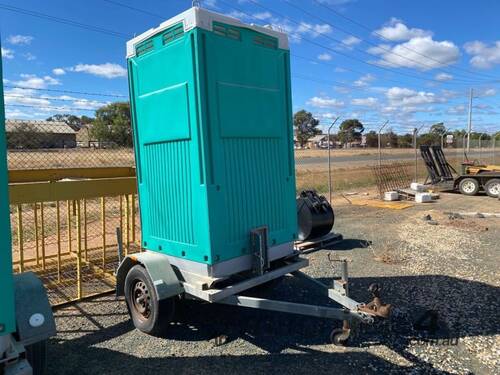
[
  {"x": 159, "y": 269},
  {"x": 34, "y": 318}
]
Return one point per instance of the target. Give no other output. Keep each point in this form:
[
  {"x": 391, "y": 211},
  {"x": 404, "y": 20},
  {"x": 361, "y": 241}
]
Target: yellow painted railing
[{"x": 64, "y": 223}]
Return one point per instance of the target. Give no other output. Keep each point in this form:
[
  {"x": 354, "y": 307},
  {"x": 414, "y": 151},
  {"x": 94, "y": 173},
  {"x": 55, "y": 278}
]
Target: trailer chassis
[{"x": 350, "y": 311}]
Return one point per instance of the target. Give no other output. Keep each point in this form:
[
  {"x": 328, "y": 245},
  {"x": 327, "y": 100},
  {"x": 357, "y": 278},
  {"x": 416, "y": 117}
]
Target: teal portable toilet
[{"x": 212, "y": 121}]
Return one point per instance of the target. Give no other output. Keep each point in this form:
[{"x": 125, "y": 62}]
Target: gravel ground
[{"x": 443, "y": 268}]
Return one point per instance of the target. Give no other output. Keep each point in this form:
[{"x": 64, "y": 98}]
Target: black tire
[
  {"x": 36, "y": 354},
  {"x": 469, "y": 186},
  {"x": 492, "y": 187},
  {"x": 147, "y": 313}
]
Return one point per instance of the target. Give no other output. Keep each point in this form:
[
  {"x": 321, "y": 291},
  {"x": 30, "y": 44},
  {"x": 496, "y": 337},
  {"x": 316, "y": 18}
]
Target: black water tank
[{"x": 315, "y": 215}]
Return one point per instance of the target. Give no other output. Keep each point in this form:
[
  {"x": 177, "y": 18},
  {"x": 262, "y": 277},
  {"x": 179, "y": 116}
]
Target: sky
[{"x": 411, "y": 63}]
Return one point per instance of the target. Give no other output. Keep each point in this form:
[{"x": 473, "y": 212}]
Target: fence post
[
  {"x": 415, "y": 132},
  {"x": 78, "y": 250},
  {"x": 103, "y": 232},
  {"x": 481, "y": 147},
  {"x": 58, "y": 223},
  {"x": 20, "y": 237},
  {"x": 329, "y": 161},
  {"x": 380, "y": 143},
  {"x": 494, "y": 148}
]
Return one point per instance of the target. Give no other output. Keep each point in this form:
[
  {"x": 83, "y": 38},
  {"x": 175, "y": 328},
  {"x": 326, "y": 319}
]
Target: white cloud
[
  {"x": 364, "y": 80},
  {"x": 313, "y": 30},
  {"x": 365, "y": 102},
  {"x": 485, "y": 92},
  {"x": 351, "y": 41},
  {"x": 262, "y": 15},
  {"x": 324, "y": 57},
  {"x": 107, "y": 70},
  {"x": 33, "y": 81},
  {"x": 29, "y": 56},
  {"x": 443, "y": 77},
  {"x": 58, "y": 71},
  {"x": 19, "y": 39},
  {"x": 457, "y": 110},
  {"x": 210, "y": 3},
  {"x": 325, "y": 102},
  {"x": 7, "y": 53},
  {"x": 395, "y": 30},
  {"x": 404, "y": 97},
  {"x": 483, "y": 56},
  {"x": 413, "y": 54}
]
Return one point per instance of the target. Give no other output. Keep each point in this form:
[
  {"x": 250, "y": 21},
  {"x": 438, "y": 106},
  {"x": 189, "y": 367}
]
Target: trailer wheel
[
  {"x": 36, "y": 354},
  {"x": 469, "y": 186},
  {"x": 339, "y": 336},
  {"x": 492, "y": 187},
  {"x": 148, "y": 314}
]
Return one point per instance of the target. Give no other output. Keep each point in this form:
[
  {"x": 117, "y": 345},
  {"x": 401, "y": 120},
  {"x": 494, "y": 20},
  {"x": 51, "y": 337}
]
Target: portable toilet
[{"x": 212, "y": 122}]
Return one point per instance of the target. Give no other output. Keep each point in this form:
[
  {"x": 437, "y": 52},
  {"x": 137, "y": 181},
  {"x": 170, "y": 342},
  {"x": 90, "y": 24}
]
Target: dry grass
[{"x": 70, "y": 158}]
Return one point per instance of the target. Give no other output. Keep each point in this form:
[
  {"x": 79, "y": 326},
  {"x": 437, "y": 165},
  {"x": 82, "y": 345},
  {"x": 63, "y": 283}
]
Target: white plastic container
[
  {"x": 423, "y": 197},
  {"x": 417, "y": 187},
  {"x": 391, "y": 196}
]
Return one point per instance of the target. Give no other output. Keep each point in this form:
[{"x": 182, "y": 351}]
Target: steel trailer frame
[{"x": 351, "y": 312}]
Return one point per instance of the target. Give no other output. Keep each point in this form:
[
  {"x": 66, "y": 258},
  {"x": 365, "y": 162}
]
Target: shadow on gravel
[
  {"x": 429, "y": 310},
  {"x": 348, "y": 244},
  {"x": 84, "y": 356}
]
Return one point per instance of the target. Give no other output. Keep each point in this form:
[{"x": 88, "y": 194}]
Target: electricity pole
[{"x": 469, "y": 129}]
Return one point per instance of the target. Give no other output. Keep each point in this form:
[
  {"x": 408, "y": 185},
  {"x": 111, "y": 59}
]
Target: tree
[
  {"x": 306, "y": 126},
  {"x": 405, "y": 140},
  {"x": 429, "y": 139},
  {"x": 74, "y": 121},
  {"x": 112, "y": 124},
  {"x": 372, "y": 139},
  {"x": 350, "y": 131},
  {"x": 438, "y": 129}
]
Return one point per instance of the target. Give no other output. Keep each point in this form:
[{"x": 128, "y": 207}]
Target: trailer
[
  {"x": 26, "y": 319},
  {"x": 213, "y": 139},
  {"x": 473, "y": 177}
]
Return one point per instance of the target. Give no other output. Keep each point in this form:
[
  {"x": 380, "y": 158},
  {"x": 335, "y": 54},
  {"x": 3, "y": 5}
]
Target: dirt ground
[{"x": 446, "y": 268}]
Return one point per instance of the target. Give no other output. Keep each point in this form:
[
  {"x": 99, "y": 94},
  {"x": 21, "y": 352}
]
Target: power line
[
  {"x": 50, "y": 107},
  {"x": 135, "y": 9},
  {"x": 54, "y": 99},
  {"x": 384, "y": 38},
  {"x": 337, "y": 51},
  {"x": 364, "y": 40},
  {"x": 65, "y": 21},
  {"x": 66, "y": 91}
]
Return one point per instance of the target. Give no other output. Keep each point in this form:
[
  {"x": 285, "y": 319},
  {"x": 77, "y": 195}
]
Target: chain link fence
[
  {"x": 48, "y": 145},
  {"x": 70, "y": 244},
  {"x": 351, "y": 168}
]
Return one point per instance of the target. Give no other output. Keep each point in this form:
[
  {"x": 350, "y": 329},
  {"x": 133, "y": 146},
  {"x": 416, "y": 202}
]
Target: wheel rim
[
  {"x": 469, "y": 186},
  {"x": 494, "y": 188},
  {"x": 141, "y": 299}
]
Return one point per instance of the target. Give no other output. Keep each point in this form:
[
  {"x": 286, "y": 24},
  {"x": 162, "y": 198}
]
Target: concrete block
[
  {"x": 391, "y": 196},
  {"x": 423, "y": 197},
  {"x": 417, "y": 187}
]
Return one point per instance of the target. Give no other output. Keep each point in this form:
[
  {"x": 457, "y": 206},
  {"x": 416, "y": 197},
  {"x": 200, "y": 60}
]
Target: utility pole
[{"x": 469, "y": 129}]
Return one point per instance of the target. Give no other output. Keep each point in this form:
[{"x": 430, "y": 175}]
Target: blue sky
[{"x": 411, "y": 63}]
